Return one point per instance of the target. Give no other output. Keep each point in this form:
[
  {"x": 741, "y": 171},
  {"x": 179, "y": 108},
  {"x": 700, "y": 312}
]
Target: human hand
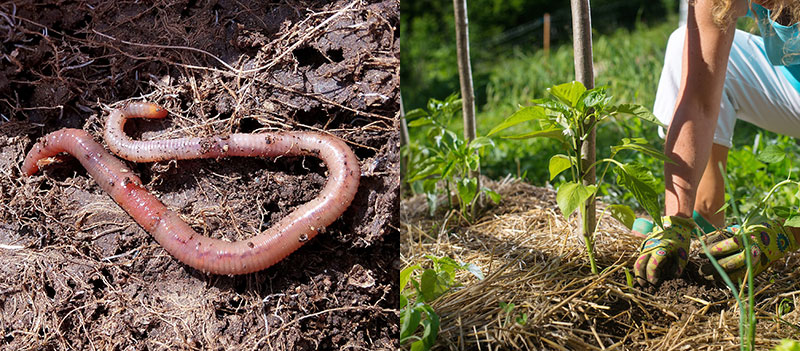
[
  {"x": 769, "y": 241},
  {"x": 665, "y": 251}
]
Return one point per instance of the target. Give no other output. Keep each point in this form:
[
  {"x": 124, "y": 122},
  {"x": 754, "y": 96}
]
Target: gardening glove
[
  {"x": 769, "y": 242},
  {"x": 665, "y": 251}
]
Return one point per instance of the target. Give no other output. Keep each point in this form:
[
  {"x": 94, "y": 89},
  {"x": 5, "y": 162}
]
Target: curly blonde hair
[{"x": 785, "y": 12}]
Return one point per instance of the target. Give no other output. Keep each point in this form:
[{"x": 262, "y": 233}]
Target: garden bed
[{"x": 532, "y": 257}]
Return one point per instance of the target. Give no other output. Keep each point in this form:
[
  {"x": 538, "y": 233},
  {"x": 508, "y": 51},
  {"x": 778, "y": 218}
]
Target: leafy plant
[
  {"x": 427, "y": 286},
  {"x": 449, "y": 159},
  {"x": 567, "y": 117}
]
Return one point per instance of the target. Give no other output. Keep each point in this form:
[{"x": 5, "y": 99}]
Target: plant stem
[
  {"x": 586, "y": 219},
  {"x": 588, "y": 238},
  {"x": 449, "y": 196}
]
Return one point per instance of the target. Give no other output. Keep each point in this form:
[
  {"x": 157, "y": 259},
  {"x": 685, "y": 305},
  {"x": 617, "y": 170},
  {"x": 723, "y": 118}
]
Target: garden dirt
[{"x": 79, "y": 273}]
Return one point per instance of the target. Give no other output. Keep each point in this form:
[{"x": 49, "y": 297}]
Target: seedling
[{"x": 508, "y": 310}]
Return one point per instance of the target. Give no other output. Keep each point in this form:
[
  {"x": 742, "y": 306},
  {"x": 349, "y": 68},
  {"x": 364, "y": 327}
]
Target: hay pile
[{"x": 532, "y": 257}]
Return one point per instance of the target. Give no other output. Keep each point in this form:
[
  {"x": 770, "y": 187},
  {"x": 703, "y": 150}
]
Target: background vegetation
[{"x": 510, "y": 69}]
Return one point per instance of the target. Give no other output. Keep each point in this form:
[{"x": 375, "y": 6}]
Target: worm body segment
[{"x": 180, "y": 240}]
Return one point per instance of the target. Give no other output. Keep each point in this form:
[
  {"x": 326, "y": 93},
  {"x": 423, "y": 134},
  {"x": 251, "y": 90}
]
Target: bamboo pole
[
  {"x": 582, "y": 43},
  {"x": 546, "y": 39},
  {"x": 465, "y": 78},
  {"x": 465, "y": 69}
]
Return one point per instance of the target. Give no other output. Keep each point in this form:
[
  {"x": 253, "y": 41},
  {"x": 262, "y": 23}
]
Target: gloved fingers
[
  {"x": 640, "y": 268},
  {"x": 732, "y": 262},
  {"x": 726, "y": 247},
  {"x": 716, "y": 236},
  {"x": 659, "y": 260}
]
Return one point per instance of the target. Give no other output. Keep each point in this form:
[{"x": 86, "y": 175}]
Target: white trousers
[{"x": 754, "y": 91}]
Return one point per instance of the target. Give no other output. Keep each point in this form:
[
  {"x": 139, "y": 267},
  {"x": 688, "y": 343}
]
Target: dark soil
[
  {"x": 532, "y": 257},
  {"x": 78, "y": 273}
]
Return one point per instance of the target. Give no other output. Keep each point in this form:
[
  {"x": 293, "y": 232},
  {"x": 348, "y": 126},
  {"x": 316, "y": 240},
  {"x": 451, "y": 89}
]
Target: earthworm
[{"x": 180, "y": 240}]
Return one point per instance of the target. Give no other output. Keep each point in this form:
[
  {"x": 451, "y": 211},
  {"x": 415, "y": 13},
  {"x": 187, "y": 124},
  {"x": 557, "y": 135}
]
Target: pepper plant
[
  {"x": 567, "y": 116},
  {"x": 445, "y": 159}
]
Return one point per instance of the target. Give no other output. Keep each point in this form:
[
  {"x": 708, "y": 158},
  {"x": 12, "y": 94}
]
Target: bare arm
[{"x": 689, "y": 139}]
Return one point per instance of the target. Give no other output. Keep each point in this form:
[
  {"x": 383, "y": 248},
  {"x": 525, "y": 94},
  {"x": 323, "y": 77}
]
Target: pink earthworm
[{"x": 180, "y": 240}]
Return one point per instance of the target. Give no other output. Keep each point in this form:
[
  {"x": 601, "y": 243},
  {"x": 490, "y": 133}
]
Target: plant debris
[
  {"x": 532, "y": 257},
  {"x": 78, "y": 273}
]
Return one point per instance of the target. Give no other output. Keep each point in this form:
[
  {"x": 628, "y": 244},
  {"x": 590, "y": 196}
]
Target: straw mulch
[{"x": 532, "y": 257}]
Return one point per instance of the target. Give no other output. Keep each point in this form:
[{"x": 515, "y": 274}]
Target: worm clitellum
[{"x": 180, "y": 240}]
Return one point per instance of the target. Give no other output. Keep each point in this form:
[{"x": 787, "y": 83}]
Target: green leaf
[
  {"x": 641, "y": 183},
  {"x": 405, "y": 275},
  {"x": 480, "y": 142},
  {"x": 638, "y": 111},
  {"x": 506, "y": 307},
  {"x": 782, "y": 211},
  {"x": 553, "y": 133},
  {"x": 793, "y": 221},
  {"x": 409, "y": 321},
  {"x": 449, "y": 266},
  {"x": 431, "y": 328},
  {"x": 628, "y": 277},
  {"x": 415, "y": 113},
  {"x": 641, "y": 145},
  {"x": 522, "y": 115},
  {"x": 559, "y": 163},
  {"x": 403, "y": 301},
  {"x": 522, "y": 319},
  {"x": 594, "y": 97},
  {"x": 427, "y": 285},
  {"x": 474, "y": 269},
  {"x": 419, "y": 345},
  {"x": 494, "y": 196},
  {"x": 623, "y": 214},
  {"x": 568, "y": 93},
  {"x": 447, "y": 170},
  {"x": 448, "y": 141},
  {"x": 555, "y": 106},
  {"x": 467, "y": 190},
  {"x": 429, "y": 170},
  {"x": 571, "y": 195},
  {"x": 419, "y": 122},
  {"x": 771, "y": 154},
  {"x": 788, "y": 345}
]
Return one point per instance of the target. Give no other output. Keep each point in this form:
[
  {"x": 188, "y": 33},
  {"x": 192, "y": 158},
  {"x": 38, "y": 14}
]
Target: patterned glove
[
  {"x": 665, "y": 251},
  {"x": 769, "y": 241}
]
